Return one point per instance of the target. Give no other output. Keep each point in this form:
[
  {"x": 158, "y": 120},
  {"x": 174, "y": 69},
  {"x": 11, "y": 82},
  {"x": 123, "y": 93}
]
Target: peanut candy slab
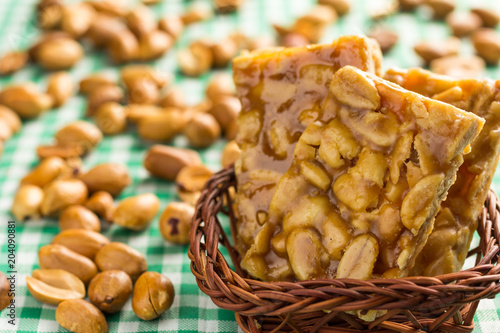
[
  {"x": 281, "y": 91},
  {"x": 360, "y": 197},
  {"x": 448, "y": 244}
]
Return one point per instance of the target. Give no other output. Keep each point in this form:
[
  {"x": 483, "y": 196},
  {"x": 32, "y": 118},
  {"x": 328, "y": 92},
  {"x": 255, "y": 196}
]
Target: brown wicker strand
[{"x": 445, "y": 303}]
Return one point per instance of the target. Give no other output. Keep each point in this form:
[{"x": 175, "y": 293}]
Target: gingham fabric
[{"x": 191, "y": 311}]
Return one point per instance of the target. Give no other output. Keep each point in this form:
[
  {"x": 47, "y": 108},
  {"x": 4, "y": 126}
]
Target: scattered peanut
[
  {"x": 143, "y": 91},
  {"x": 429, "y": 51},
  {"x": 11, "y": 62},
  {"x": 64, "y": 152},
  {"x": 77, "y": 18},
  {"x": 196, "y": 60},
  {"x": 102, "y": 204},
  {"x": 61, "y": 87},
  {"x": 163, "y": 126},
  {"x": 52, "y": 286},
  {"x": 110, "y": 290},
  {"x": 141, "y": 21},
  {"x": 82, "y": 241},
  {"x": 136, "y": 212},
  {"x": 153, "y": 294},
  {"x": 226, "y": 110},
  {"x": 219, "y": 85},
  {"x": 172, "y": 25},
  {"x": 197, "y": 12},
  {"x": 202, "y": 130},
  {"x": 27, "y": 202},
  {"x": 440, "y": 8},
  {"x": 79, "y": 133},
  {"x": 154, "y": 45},
  {"x": 190, "y": 182},
  {"x": 227, "y": 6},
  {"x": 175, "y": 222},
  {"x": 55, "y": 256},
  {"x": 94, "y": 81},
  {"x": 223, "y": 52},
  {"x": 105, "y": 93},
  {"x": 463, "y": 24},
  {"x": 110, "y": 118},
  {"x": 80, "y": 316},
  {"x": 174, "y": 98},
  {"x": 487, "y": 44},
  {"x": 60, "y": 194},
  {"x": 489, "y": 17},
  {"x": 121, "y": 257},
  {"x": 166, "y": 162},
  {"x": 342, "y": 7},
  {"x": 58, "y": 53},
  {"x": 458, "y": 66},
  {"x": 109, "y": 177},
  {"x": 385, "y": 37},
  {"x": 25, "y": 100},
  {"x": 45, "y": 172},
  {"x": 10, "y": 118}
]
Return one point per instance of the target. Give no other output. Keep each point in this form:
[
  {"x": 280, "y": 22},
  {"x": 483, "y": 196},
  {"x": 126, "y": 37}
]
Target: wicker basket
[{"x": 444, "y": 303}]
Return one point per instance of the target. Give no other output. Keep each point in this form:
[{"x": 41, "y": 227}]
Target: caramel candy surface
[
  {"x": 281, "y": 91},
  {"x": 360, "y": 197},
  {"x": 447, "y": 246}
]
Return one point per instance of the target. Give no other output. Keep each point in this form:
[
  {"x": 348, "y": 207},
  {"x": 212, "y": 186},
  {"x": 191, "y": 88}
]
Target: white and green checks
[{"x": 192, "y": 311}]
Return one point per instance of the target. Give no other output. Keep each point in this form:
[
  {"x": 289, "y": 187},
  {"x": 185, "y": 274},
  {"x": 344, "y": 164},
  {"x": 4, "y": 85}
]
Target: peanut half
[
  {"x": 52, "y": 286},
  {"x": 109, "y": 177},
  {"x": 120, "y": 256},
  {"x": 84, "y": 242},
  {"x": 27, "y": 202},
  {"x": 79, "y": 217},
  {"x": 80, "y": 316},
  {"x": 61, "y": 194},
  {"x": 136, "y": 212},
  {"x": 102, "y": 204},
  {"x": 165, "y": 162}
]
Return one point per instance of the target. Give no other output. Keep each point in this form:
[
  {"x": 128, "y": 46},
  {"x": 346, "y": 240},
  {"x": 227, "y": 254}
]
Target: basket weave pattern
[{"x": 445, "y": 303}]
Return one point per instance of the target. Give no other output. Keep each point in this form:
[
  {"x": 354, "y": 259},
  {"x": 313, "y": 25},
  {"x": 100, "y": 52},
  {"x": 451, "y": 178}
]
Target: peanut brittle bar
[
  {"x": 281, "y": 90},
  {"x": 360, "y": 198},
  {"x": 447, "y": 246}
]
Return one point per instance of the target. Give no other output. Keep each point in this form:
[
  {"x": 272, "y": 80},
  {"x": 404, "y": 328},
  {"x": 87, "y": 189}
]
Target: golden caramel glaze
[
  {"x": 281, "y": 90},
  {"x": 366, "y": 182},
  {"x": 447, "y": 246}
]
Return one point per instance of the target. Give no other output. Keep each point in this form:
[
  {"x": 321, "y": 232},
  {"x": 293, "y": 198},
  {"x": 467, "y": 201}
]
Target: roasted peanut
[
  {"x": 458, "y": 66},
  {"x": 409, "y": 5},
  {"x": 49, "y": 13},
  {"x": 463, "y": 24},
  {"x": 121, "y": 257},
  {"x": 440, "y": 8},
  {"x": 58, "y": 53},
  {"x": 202, "y": 130},
  {"x": 196, "y": 60},
  {"x": 79, "y": 316},
  {"x": 141, "y": 21},
  {"x": 25, "y": 100},
  {"x": 190, "y": 181},
  {"x": 154, "y": 45},
  {"x": 105, "y": 93},
  {"x": 227, "y": 6},
  {"x": 385, "y": 37},
  {"x": 123, "y": 47},
  {"x": 103, "y": 28},
  {"x": 110, "y": 290},
  {"x": 137, "y": 112},
  {"x": 133, "y": 73},
  {"x": 102, "y": 204},
  {"x": 6, "y": 297},
  {"x": 293, "y": 39},
  {"x": 55, "y": 256},
  {"x": 172, "y": 25},
  {"x": 487, "y": 45},
  {"x": 61, "y": 194},
  {"x": 45, "y": 172},
  {"x": 110, "y": 7},
  {"x": 166, "y": 162},
  {"x": 153, "y": 294},
  {"x": 94, "y": 81},
  {"x": 61, "y": 87},
  {"x": 197, "y": 12},
  {"x": 174, "y": 98},
  {"x": 429, "y": 51},
  {"x": 489, "y": 17},
  {"x": 259, "y": 42},
  {"x": 84, "y": 242},
  {"x": 163, "y": 126},
  {"x": 342, "y": 7},
  {"x": 109, "y": 177},
  {"x": 110, "y": 118},
  {"x": 175, "y": 222},
  {"x": 143, "y": 91},
  {"x": 220, "y": 85},
  {"x": 10, "y": 118},
  {"x": 80, "y": 133},
  {"x": 77, "y": 18},
  {"x": 27, "y": 202},
  {"x": 136, "y": 212},
  {"x": 52, "y": 286},
  {"x": 223, "y": 52},
  {"x": 13, "y": 61},
  {"x": 67, "y": 152},
  {"x": 79, "y": 217},
  {"x": 225, "y": 110}
]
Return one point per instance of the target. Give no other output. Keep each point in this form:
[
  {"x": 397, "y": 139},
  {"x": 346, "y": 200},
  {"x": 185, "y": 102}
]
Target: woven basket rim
[{"x": 444, "y": 303}]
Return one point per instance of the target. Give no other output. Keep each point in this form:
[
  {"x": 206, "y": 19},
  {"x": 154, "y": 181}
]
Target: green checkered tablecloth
[{"x": 192, "y": 311}]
